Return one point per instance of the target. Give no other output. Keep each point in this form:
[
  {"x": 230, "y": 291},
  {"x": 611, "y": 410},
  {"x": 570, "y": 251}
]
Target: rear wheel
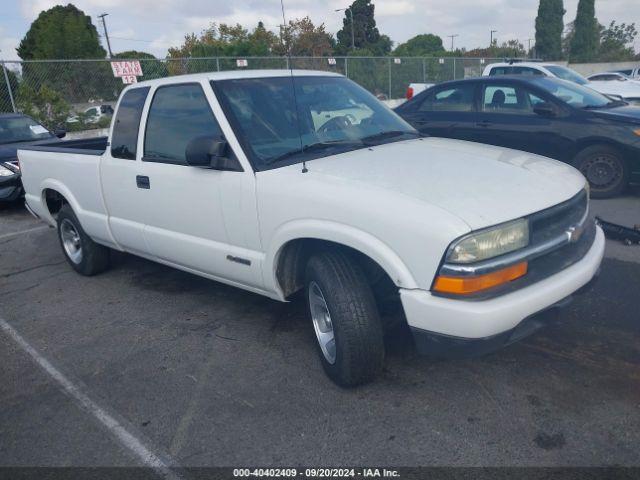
[
  {"x": 605, "y": 168},
  {"x": 345, "y": 319},
  {"x": 83, "y": 254}
]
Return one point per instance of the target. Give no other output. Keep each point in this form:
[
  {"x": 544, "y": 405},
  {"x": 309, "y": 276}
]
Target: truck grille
[{"x": 556, "y": 220}]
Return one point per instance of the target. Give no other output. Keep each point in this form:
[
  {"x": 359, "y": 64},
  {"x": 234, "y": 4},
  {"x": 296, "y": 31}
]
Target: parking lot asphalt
[{"x": 207, "y": 375}]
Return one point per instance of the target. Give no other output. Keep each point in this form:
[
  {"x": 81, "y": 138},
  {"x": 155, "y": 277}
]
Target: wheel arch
[
  {"x": 53, "y": 196},
  {"x": 583, "y": 144},
  {"x": 295, "y": 243}
]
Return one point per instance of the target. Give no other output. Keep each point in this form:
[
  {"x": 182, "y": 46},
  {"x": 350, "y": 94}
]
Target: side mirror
[
  {"x": 60, "y": 132},
  {"x": 211, "y": 152},
  {"x": 545, "y": 110}
]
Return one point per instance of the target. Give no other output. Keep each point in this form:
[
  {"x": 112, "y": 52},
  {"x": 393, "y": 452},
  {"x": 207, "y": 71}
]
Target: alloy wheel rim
[
  {"x": 71, "y": 241},
  {"x": 322, "y": 323}
]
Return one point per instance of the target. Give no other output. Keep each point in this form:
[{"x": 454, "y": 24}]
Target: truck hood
[{"x": 480, "y": 184}]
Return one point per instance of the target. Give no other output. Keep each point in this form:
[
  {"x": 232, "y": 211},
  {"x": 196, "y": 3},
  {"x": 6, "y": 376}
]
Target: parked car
[
  {"x": 542, "y": 115},
  {"x": 17, "y": 130},
  {"x": 620, "y": 91},
  {"x": 615, "y": 83},
  {"x": 237, "y": 177},
  {"x": 92, "y": 115},
  {"x": 631, "y": 72}
]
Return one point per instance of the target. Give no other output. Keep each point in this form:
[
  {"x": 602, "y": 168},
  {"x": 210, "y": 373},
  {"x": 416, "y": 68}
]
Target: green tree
[
  {"x": 65, "y": 32},
  {"x": 586, "y": 36},
  {"x": 43, "y": 104},
  {"x": 366, "y": 33},
  {"x": 509, "y": 49},
  {"x": 616, "y": 42},
  {"x": 423, "y": 45},
  {"x": 222, "y": 41},
  {"x": 303, "y": 38},
  {"x": 61, "y": 33},
  {"x": 549, "y": 26}
]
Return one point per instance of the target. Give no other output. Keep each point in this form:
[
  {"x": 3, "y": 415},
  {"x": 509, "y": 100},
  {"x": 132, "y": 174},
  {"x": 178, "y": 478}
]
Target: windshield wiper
[
  {"x": 371, "y": 139},
  {"x": 313, "y": 147}
]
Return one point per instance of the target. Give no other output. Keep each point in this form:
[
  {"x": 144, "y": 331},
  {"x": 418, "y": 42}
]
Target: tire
[
  {"x": 83, "y": 254},
  {"x": 353, "y": 319},
  {"x": 605, "y": 168}
]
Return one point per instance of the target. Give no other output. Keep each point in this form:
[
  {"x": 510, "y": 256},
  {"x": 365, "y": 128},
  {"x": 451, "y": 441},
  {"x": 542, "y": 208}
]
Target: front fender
[{"x": 339, "y": 233}]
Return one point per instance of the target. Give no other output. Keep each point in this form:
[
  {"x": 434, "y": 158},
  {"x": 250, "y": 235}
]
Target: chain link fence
[{"x": 66, "y": 92}]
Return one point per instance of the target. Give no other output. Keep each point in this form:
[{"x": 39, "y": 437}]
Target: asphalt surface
[{"x": 207, "y": 375}]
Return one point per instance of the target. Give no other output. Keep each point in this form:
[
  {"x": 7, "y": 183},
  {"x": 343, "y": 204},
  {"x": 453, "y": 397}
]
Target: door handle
[
  {"x": 143, "y": 182},
  {"x": 484, "y": 124}
]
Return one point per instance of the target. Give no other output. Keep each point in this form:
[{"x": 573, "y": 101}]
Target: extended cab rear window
[{"x": 124, "y": 139}]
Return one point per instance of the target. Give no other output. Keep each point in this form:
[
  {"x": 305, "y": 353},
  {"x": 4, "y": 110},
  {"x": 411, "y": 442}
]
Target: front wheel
[
  {"x": 605, "y": 168},
  {"x": 83, "y": 254},
  {"x": 345, "y": 319}
]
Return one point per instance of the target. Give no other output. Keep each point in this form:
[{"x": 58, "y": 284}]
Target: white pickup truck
[{"x": 233, "y": 177}]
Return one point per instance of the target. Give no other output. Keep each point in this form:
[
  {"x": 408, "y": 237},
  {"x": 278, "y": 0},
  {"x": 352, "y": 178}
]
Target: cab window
[
  {"x": 507, "y": 99},
  {"x": 526, "y": 71},
  {"x": 500, "y": 71},
  {"x": 452, "y": 99},
  {"x": 124, "y": 139},
  {"x": 178, "y": 114}
]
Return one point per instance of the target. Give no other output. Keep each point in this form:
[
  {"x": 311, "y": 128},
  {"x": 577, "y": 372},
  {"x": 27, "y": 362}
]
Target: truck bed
[
  {"x": 72, "y": 169},
  {"x": 84, "y": 146}
]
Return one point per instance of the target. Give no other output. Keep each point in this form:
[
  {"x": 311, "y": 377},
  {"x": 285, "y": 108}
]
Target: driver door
[{"x": 202, "y": 220}]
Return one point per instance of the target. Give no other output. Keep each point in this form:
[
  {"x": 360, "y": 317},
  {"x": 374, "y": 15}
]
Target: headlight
[
  {"x": 5, "y": 172},
  {"x": 490, "y": 243}
]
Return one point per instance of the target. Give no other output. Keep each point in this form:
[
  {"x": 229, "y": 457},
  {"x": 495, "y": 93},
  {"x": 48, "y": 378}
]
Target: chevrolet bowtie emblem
[{"x": 574, "y": 233}]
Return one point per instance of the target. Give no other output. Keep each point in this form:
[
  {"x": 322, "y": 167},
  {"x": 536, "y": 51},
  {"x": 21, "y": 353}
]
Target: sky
[{"x": 155, "y": 25}]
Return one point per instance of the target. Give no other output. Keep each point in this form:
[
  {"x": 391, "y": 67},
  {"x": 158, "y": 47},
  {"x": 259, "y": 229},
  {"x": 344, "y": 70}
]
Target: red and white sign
[
  {"x": 242, "y": 62},
  {"x": 129, "y": 79},
  {"x": 126, "y": 69}
]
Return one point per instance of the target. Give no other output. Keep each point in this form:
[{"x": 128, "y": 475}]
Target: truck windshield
[
  {"x": 333, "y": 115},
  {"x": 15, "y": 129}
]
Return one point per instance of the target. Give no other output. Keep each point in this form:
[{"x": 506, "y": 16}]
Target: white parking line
[
  {"x": 22, "y": 232},
  {"x": 127, "y": 439}
]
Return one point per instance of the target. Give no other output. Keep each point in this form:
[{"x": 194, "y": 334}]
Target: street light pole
[
  {"x": 492, "y": 32},
  {"x": 353, "y": 33},
  {"x": 452, "y": 37},
  {"x": 106, "y": 34}
]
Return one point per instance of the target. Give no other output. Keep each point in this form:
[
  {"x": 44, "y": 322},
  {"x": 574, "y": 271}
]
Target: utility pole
[
  {"x": 106, "y": 34},
  {"x": 529, "y": 51},
  {"x": 353, "y": 33},
  {"x": 452, "y": 37},
  {"x": 492, "y": 32}
]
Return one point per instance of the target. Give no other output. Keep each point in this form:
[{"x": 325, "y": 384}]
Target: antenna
[{"x": 293, "y": 86}]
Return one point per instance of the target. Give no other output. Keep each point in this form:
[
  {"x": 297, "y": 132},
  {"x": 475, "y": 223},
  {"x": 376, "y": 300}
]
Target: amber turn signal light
[{"x": 478, "y": 283}]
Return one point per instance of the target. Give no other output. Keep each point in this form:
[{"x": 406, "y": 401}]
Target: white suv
[
  {"x": 616, "y": 89},
  {"x": 534, "y": 68}
]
